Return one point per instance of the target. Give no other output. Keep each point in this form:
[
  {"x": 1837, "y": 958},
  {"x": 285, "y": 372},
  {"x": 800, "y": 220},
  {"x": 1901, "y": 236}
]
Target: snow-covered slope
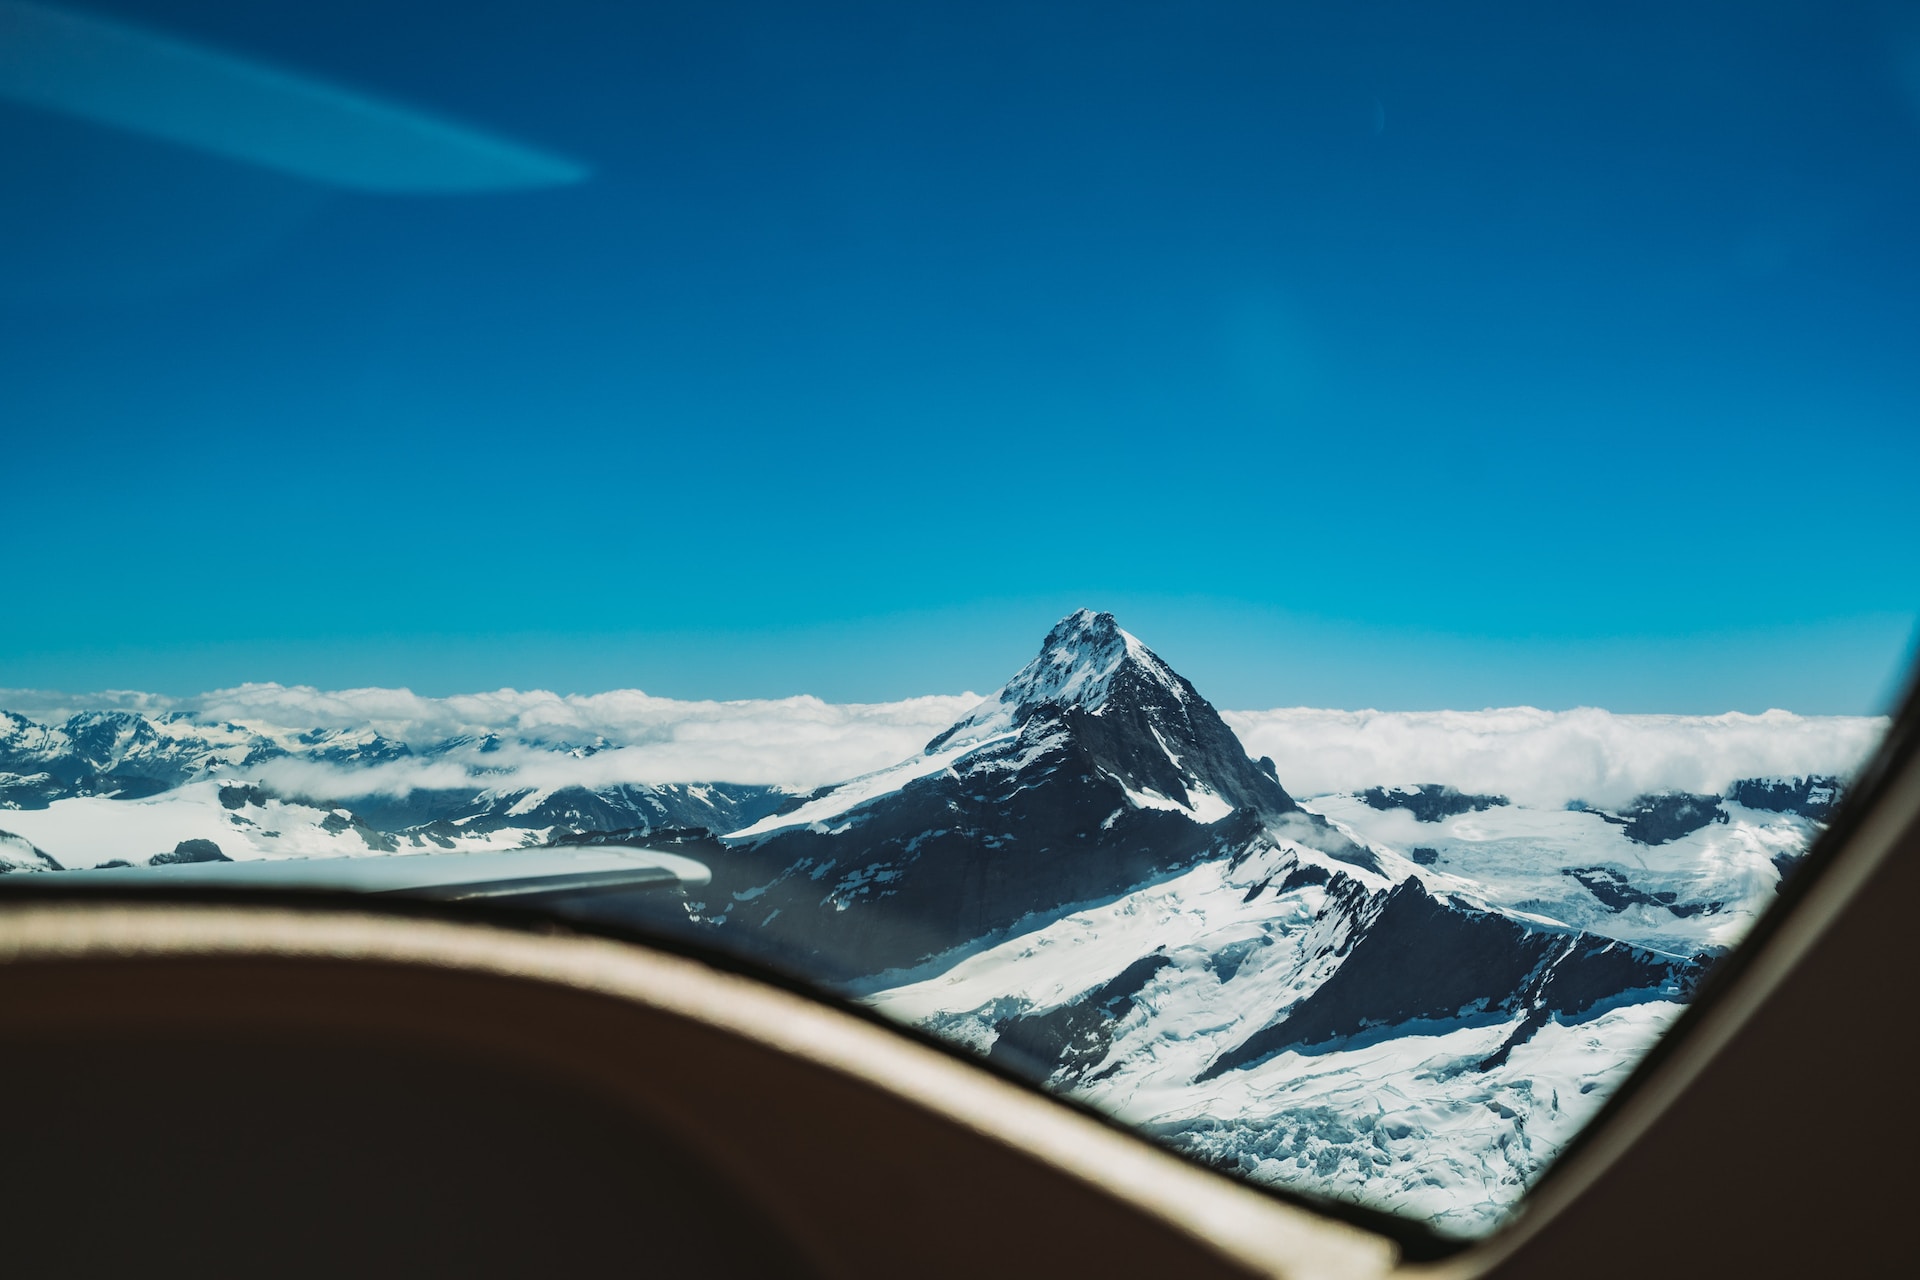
[
  {"x": 239, "y": 821},
  {"x": 1096, "y": 769},
  {"x": 1584, "y": 870},
  {"x": 17, "y": 853},
  {"x": 1422, "y": 1037},
  {"x": 248, "y": 821},
  {"x": 1130, "y": 1004},
  {"x": 114, "y": 753},
  {"x": 120, "y": 785}
]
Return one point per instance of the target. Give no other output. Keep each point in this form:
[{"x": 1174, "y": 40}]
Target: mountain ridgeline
[
  {"x": 1094, "y": 770},
  {"x": 1097, "y": 771},
  {"x": 124, "y": 755}
]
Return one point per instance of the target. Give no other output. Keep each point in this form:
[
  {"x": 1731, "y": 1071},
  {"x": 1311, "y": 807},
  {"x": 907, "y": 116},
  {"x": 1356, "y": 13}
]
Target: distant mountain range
[
  {"x": 1405, "y": 994},
  {"x": 125, "y": 756}
]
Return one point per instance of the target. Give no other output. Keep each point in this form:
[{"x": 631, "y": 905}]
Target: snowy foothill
[
  {"x": 1413, "y": 1121},
  {"x": 89, "y": 831},
  {"x": 852, "y": 794},
  {"x": 1448, "y": 1120}
]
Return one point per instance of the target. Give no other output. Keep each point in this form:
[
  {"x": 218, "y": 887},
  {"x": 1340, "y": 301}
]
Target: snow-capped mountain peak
[
  {"x": 1084, "y": 660},
  {"x": 1079, "y": 661},
  {"x": 1094, "y": 770},
  {"x": 1098, "y": 695}
]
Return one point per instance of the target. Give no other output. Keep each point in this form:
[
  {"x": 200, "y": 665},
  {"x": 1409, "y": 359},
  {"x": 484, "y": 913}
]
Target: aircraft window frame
[{"x": 1736, "y": 972}]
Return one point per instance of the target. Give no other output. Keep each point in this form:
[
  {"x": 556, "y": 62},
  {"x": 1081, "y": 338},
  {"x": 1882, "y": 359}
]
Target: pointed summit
[
  {"x": 1079, "y": 660},
  {"x": 1084, "y": 660},
  {"x": 1078, "y": 656},
  {"x": 1094, "y": 770},
  {"x": 1143, "y": 725}
]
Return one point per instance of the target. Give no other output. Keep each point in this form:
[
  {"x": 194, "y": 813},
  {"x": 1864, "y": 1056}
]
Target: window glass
[{"x": 1296, "y": 574}]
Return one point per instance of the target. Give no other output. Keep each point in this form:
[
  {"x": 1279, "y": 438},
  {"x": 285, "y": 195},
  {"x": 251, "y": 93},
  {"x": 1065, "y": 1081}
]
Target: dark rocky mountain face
[
  {"x": 1658, "y": 819},
  {"x": 1064, "y": 1043},
  {"x": 20, "y": 854},
  {"x": 1141, "y": 722},
  {"x": 103, "y": 753},
  {"x": 1373, "y": 964},
  {"x": 1429, "y": 802},
  {"x": 1810, "y": 797},
  {"x": 39, "y": 789},
  {"x": 1414, "y": 957},
  {"x": 1096, "y": 769},
  {"x": 693, "y": 842},
  {"x": 952, "y": 859},
  {"x": 190, "y": 851},
  {"x": 570, "y": 810},
  {"x": 1617, "y": 893},
  {"x": 1815, "y": 796},
  {"x": 129, "y": 756}
]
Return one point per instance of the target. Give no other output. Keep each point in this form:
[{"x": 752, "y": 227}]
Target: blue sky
[{"x": 1400, "y": 355}]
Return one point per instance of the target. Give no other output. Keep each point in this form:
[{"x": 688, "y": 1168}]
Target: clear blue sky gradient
[{"x": 1405, "y": 355}]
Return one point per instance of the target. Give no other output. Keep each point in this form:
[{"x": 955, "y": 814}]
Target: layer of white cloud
[
  {"x": 625, "y": 736},
  {"x": 797, "y": 742},
  {"x": 1549, "y": 757}
]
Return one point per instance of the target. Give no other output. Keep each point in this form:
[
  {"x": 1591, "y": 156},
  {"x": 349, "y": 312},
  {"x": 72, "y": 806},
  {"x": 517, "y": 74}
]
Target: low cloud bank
[
  {"x": 1549, "y": 757},
  {"x": 597, "y": 740},
  {"x": 549, "y": 740}
]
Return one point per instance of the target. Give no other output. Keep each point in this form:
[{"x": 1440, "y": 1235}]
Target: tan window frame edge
[{"x": 1244, "y": 1225}]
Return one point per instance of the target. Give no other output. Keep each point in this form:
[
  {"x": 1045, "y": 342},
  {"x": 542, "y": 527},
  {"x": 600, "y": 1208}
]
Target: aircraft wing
[{"x": 520, "y": 877}]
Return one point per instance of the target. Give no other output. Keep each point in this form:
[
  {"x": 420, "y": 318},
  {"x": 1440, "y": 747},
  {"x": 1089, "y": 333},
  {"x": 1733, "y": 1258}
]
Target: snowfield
[
  {"x": 1408, "y": 1118},
  {"x": 1408, "y": 1124},
  {"x": 1417, "y": 1002},
  {"x": 88, "y": 831},
  {"x": 1518, "y": 859}
]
